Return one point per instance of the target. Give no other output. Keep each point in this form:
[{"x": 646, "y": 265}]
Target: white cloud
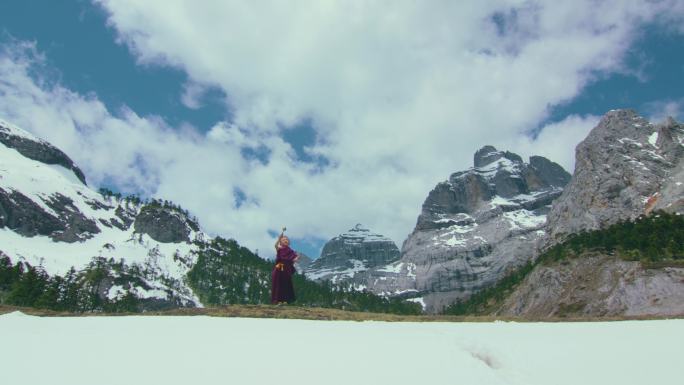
[
  {"x": 660, "y": 110},
  {"x": 557, "y": 140},
  {"x": 192, "y": 95},
  {"x": 400, "y": 94}
]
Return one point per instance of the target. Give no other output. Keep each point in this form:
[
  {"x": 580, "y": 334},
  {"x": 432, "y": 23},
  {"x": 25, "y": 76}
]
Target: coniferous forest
[{"x": 224, "y": 273}]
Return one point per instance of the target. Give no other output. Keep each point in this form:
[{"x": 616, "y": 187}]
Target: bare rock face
[
  {"x": 163, "y": 224},
  {"x": 303, "y": 262},
  {"x": 21, "y": 214},
  {"x": 597, "y": 285},
  {"x": 474, "y": 228},
  {"x": 625, "y": 167},
  {"x": 59, "y": 219},
  {"x": 352, "y": 253}
]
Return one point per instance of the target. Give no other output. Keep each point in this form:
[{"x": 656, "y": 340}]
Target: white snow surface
[
  {"x": 395, "y": 268},
  {"x": 524, "y": 219},
  {"x": 186, "y": 350},
  {"x": 338, "y": 274},
  {"x": 489, "y": 170},
  {"x": 418, "y": 300},
  {"x": 653, "y": 139}
]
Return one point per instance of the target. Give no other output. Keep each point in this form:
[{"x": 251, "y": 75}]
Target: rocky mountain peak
[
  {"x": 625, "y": 167},
  {"x": 164, "y": 224},
  {"x": 351, "y": 253},
  {"x": 360, "y": 233},
  {"x": 473, "y": 228},
  {"x": 499, "y": 178},
  {"x": 489, "y": 154}
]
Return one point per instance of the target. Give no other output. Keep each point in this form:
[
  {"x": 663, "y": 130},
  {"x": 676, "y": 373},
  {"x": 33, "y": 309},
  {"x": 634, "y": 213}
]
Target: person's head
[{"x": 284, "y": 241}]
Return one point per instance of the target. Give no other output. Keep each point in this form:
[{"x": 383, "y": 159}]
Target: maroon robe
[{"x": 281, "y": 277}]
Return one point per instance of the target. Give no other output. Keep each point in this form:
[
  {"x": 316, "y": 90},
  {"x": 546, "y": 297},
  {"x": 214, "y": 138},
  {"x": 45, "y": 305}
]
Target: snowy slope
[
  {"x": 187, "y": 350},
  {"x": 52, "y": 196}
]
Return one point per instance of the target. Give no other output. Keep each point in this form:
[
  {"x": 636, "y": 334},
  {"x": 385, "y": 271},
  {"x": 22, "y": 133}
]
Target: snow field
[{"x": 181, "y": 350}]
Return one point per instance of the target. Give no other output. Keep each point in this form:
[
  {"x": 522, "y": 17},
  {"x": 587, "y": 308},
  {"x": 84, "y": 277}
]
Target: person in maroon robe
[{"x": 282, "y": 290}]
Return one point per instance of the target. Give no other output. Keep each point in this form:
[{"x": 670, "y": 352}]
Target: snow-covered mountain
[
  {"x": 474, "y": 229},
  {"x": 66, "y": 247},
  {"x": 351, "y": 253},
  {"x": 50, "y": 218}
]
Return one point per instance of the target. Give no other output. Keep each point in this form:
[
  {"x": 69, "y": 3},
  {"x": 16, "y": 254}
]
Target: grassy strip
[{"x": 321, "y": 314}]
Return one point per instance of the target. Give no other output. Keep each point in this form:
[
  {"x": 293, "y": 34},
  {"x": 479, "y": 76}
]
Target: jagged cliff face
[
  {"x": 350, "y": 254},
  {"x": 597, "y": 285},
  {"x": 473, "y": 228},
  {"x": 49, "y": 217},
  {"x": 303, "y": 262},
  {"x": 625, "y": 167}
]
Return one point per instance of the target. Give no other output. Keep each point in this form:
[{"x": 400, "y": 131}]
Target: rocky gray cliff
[
  {"x": 625, "y": 167},
  {"x": 303, "y": 262},
  {"x": 164, "y": 224},
  {"x": 474, "y": 227},
  {"x": 351, "y": 253},
  {"x": 597, "y": 285}
]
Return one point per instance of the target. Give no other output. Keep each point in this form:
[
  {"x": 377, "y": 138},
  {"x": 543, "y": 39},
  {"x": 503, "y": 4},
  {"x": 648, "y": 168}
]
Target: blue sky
[
  {"x": 83, "y": 53},
  {"x": 655, "y": 72},
  {"x": 316, "y": 121}
]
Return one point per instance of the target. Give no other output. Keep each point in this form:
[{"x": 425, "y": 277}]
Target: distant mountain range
[
  {"x": 482, "y": 224},
  {"x": 473, "y": 228},
  {"x": 66, "y": 247},
  {"x": 481, "y": 243}
]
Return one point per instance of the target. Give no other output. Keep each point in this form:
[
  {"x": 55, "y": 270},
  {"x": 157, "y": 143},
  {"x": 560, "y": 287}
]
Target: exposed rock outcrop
[
  {"x": 163, "y": 224},
  {"x": 351, "y": 253},
  {"x": 24, "y": 216},
  {"x": 473, "y": 228},
  {"x": 625, "y": 167},
  {"x": 597, "y": 285},
  {"x": 59, "y": 219},
  {"x": 303, "y": 262}
]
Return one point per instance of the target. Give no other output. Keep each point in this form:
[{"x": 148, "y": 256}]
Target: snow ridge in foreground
[{"x": 180, "y": 350}]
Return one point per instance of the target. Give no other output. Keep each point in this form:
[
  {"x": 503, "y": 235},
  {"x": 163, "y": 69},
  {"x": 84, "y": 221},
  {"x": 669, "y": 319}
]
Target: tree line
[
  {"x": 227, "y": 273},
  {"x": 224, "y": 273}
]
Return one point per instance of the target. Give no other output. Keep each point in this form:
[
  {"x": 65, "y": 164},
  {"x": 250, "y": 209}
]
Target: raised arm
[
  {"x": 279, "y": 238},
  {"x": 278, "y": 241}
]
